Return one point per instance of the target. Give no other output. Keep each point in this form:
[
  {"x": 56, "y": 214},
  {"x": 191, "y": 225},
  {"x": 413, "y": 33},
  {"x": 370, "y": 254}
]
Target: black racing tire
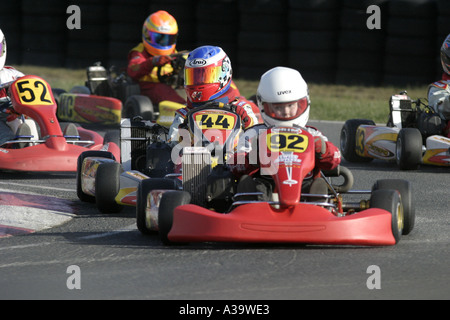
[
  {"x": 389, "y": 200},
  {"x": 405, "y": 190},
  {"x": 100, "y": 154},
  {"x": 107, "y": 186},
  {"x": 169, "y": 201},
  {"x": 144, "y": 188},
  {"x": 348, "y": 140},
  {"x": 408, "y": 149},
  {"x": 138, "y": 105}
]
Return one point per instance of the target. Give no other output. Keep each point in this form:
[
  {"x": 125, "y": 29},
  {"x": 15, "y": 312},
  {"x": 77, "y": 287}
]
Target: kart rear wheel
[
  {"x": 404, "y": 187},
  {"x": 169, "y": 201},
  {"x": 107, "y": 186},
  {"x": 408, "y": 149},
  {"x": 143, "y": 190},
  {"x": 100, "y": 154},
  {"x": 138, "y": 105},
  {"x": 348, "y": 140},
  {"x": 389, "y": 200}
]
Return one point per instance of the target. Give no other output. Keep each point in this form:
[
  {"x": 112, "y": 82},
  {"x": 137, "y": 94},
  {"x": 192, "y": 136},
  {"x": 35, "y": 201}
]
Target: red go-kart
[
  {"x": 291, "y": 215},
  {"x": 47, "y": 147}
]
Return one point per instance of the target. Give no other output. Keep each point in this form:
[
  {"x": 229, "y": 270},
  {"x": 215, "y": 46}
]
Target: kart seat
[{"x": 70, "y": 132}]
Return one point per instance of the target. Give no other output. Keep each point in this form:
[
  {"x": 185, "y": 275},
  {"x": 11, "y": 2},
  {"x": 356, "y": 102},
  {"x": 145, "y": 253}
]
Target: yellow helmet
[{"x": 159, "y": 33}]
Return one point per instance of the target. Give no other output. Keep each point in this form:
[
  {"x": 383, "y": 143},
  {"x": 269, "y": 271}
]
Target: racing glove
[
  {"x": 320, "y": 146},
  {"x": 159, "y": 61}
]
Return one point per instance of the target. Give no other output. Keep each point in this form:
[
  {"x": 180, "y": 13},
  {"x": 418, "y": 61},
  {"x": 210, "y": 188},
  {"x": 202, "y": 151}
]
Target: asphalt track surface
[{"x": 115, "y": 261}]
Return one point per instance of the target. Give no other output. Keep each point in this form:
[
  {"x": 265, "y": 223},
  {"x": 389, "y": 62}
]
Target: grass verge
[{"x": 328, "y": 102}]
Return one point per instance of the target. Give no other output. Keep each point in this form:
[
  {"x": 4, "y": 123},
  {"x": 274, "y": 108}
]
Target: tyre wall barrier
[{"x": 328, "y": 41}]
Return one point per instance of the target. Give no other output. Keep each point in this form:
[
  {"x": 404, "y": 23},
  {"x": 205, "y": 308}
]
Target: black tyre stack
[
  {"x": 443, "y": 30},
  {"x": 44, "y": 32},
  {"x": 360, "y": 49},
  {"x": 410, "y": 42},
  {"x": 184, "y": 12},
  {"x": 126, "y": 18},
  {"x": 313, "y": 34},
  {"x": 262, "y": 38},
  {"x": 218, "y": 25},
  {"x": 11, "y": 26},
  {"x": 89, "y": 44}
]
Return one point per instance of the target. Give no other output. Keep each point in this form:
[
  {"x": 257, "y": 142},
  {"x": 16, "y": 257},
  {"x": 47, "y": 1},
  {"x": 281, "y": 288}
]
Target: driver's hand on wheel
[{"x": 159, "y": 61}]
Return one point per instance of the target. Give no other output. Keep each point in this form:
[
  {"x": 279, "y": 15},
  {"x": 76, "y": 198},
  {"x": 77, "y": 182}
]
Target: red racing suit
[
  {"x": 142, "y": 69},
  {"x": 328, "y": 156}
]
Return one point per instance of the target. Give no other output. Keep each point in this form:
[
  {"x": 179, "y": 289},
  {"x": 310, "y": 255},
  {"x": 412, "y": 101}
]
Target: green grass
[{"x": 328, "y": 102}]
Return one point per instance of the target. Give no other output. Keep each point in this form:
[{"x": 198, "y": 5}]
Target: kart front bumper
[{"x": 260, "y": 222}]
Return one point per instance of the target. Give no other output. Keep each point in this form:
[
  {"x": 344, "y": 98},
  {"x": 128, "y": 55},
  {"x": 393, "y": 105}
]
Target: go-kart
[
  {"x": 147, "y": 158},
  {"x": 48, "y": 145},
  {"x": 208, "y": 209},
  {"x": 412, "y": 136},
  {"x": 109, "y": 95}
]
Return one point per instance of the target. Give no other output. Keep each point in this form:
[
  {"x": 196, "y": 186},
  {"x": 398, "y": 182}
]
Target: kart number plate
[
  {"x": 286, "y": 142},
  {"x": 34, "y": 92},
  {"x": 215, "y": 121}
]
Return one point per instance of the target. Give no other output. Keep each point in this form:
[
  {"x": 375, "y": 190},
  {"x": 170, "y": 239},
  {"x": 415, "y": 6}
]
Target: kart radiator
[{"x": 196, "y": 166}]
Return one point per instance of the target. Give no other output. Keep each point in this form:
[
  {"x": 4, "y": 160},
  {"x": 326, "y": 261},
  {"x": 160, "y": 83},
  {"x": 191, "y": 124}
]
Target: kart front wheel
[
  {"x": 348, "y": 140},
  {"x": 408, "y": 149},
  {"x": 169, "y": 201},
  {"x": 143, "y": 190},
  {"x": 404, "y": 188},
  {"x": 389, "y": 200},
  {"x": 107, "y": 185},
  {"x": 92, "y": 153}
]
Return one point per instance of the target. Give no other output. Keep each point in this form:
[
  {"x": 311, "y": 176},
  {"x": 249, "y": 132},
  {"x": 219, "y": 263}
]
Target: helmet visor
[
  {"x": 199, "y": 76},
  {"x": 286, "y": 110},
  {"x": 160, "y": 39}
]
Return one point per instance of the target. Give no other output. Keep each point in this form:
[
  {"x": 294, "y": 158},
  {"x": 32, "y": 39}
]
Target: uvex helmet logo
[
  {"x": 197, "y": 62},
  {"x": 284, "y": 92}
]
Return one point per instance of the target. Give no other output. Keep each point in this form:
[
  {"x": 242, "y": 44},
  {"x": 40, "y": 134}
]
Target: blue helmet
[{"x": 207, "y": 74}]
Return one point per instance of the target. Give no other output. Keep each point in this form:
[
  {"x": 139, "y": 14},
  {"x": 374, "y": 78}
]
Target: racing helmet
[
  {"x": 207, "y": 74},
  {"x": 281, "y": 88},
  {"x": 159, "y": 33},
  {"x": 445, "y": 55},
  {"x": 2, "y": 50}
]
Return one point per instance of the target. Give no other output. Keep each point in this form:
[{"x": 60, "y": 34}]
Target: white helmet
[
  {"x": 2, "y": 50},
  {"x": 279, "y": 86}
]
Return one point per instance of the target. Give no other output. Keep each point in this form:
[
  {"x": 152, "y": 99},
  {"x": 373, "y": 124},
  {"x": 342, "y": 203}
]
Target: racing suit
[
  {"x": 7, "y": 74},
  {"x": 142, "y": 68},
  {"x": 328, "y": 155},
  {"x": 246, "y": 109},
  {"x": 246, "y": 167}
]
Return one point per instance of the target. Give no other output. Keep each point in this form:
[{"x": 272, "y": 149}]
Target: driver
[
  {"x": 7, "y": 74},
  {"x": 439, "y": 92},
  {"x": 208, "y": 78},
  {"x": 159, "y": 36},
  {"x": 283, "y": 100}
]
